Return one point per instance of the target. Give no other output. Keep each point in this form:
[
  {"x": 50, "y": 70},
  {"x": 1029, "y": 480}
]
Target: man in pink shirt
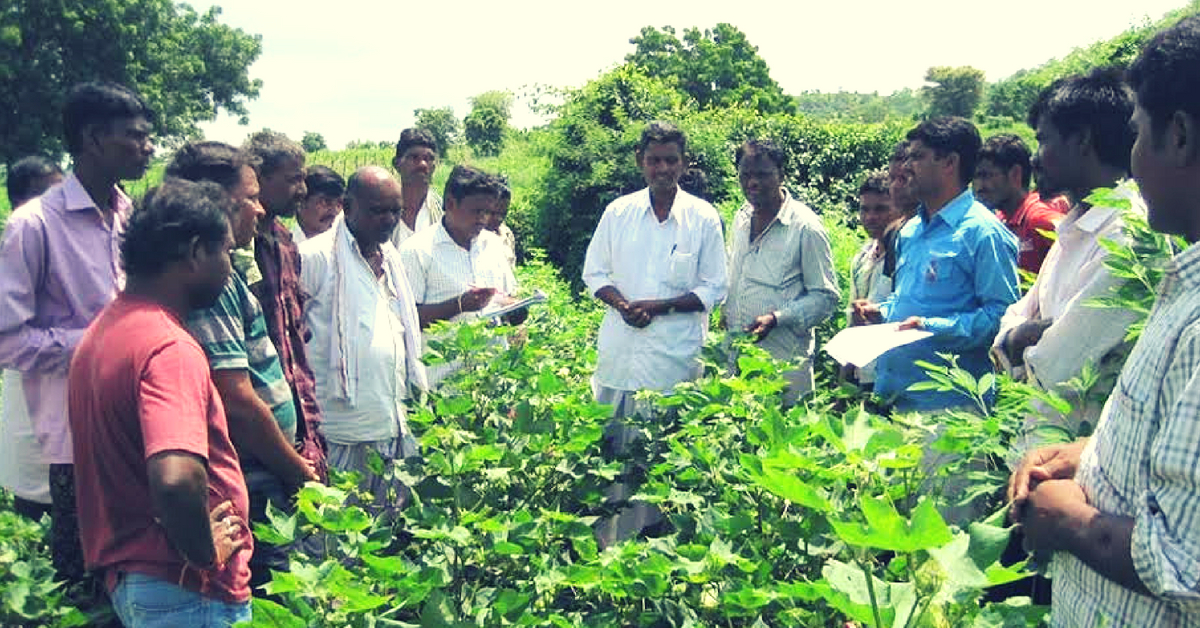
[
  {"x": 162, "y": 503},
  {"x": 61, "y": 267}
]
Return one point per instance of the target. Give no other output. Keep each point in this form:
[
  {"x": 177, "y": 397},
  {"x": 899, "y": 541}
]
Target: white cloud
[{"x": 356, "y": 69}]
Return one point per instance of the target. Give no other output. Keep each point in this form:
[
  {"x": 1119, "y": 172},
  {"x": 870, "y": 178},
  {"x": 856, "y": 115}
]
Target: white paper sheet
[{"x": 861, "y": 345}]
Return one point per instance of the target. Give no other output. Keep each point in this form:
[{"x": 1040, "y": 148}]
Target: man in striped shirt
[{"x": 1121, "y": 509}]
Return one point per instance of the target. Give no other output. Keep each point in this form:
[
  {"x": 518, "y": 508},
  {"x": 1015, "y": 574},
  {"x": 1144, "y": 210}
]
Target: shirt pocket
[
  {"x": 942, "y": 276},
  {"x": 681, "y": 270},
  {"x": 1120, "y": 445}
]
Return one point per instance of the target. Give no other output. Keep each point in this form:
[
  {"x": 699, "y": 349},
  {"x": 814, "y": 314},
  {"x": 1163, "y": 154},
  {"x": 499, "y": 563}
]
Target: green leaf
[
  {"x": 266, "y": 613},
  {"x": 885, "y": 529},
  {"x": 506, "y": 548},
  {"x": 792, "y": 489}
]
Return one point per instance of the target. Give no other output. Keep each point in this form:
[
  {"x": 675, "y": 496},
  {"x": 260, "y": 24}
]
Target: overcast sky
[{"x": 356, "y": 69}]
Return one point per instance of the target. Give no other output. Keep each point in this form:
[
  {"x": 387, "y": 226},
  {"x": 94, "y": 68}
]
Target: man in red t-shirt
[
  {"x": 1001, "y": 182},
  {"x": 161, "y": 499}
]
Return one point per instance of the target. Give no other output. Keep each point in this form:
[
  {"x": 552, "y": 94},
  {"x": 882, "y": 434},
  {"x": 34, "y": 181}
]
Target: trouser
[
  {"x": 620, "y": 437},
  {"x": 388, "y": 495},
  {"x": 66, "y": 549},
  {"x": 264, "y": 487},
  {"x": 30, "y": 509},
  {"x": 141, "y": 601}
]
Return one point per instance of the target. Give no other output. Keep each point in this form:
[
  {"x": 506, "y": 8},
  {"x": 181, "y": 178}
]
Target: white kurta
[
  {"x": 647, "y": 259},
  {"x": 377, "y": 344},
  {"x": 429, "y": 215}
]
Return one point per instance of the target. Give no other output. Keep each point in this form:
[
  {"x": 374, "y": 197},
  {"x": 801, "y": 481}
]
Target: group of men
[
  {"x": 178, "y": 368},
  {"x": 174, "y": 388}
]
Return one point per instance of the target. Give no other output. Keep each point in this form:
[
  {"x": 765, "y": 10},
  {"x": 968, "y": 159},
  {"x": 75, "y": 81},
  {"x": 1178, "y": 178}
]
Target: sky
[{"x": 356, "y": 69}]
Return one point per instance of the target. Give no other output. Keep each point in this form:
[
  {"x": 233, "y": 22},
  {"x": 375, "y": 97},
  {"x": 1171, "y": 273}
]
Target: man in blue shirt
[{"x": 956, "y": 273}]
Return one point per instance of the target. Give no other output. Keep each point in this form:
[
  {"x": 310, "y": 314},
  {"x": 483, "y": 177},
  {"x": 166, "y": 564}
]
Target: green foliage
[
  {"x": 1141, "y": 261},
  {"x": 1013, "y": 96},
  {"x": 485, "y": 126},
  {"x": 188, "y": 66},
  {"x": 903, "y": 104},
  {"x": 717, "y": 67},
  {"x": 29, "y": 595},
  {"x": 776, "y": 518},
  {"x": 955, "y": 91},
  {"x": 442, "y": 123},
  {"x": 313, "y": 142}
]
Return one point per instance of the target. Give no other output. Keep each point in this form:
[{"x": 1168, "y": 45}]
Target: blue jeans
[{"x": 144, "y": 602}]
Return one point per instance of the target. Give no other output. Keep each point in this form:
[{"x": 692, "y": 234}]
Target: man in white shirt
[
  {"x": 1084, "y": 142},
  {"x": 657, "y": 259},
  {"x": 416, "y": 160},
  {"x": 781, "y": 278},
  {"x": 364, "y": 349},
  {"x": 457, "y": 267}
]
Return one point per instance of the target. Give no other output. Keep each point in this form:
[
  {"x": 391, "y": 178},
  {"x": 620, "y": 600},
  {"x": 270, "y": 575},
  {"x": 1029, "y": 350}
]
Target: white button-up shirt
[
  {"x": 787, "y": 270},
  {"x": 1142, "y": 463},
  {"x": 377, "y": 345},
  {"x": 1073, "y": 274},
  {"x": 647, "y": 259},
  {"x": 439, "y": 269},
  {"x": 429, "y": 215}
]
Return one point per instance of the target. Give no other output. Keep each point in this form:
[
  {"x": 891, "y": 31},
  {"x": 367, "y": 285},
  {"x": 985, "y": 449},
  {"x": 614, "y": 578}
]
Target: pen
[{"x": 673, "y": 247}]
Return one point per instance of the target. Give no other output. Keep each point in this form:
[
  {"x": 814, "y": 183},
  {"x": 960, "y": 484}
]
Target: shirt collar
[
  {"x": 442, "y": 236},
  {"x": 1186, "y": 266},
  {"x": 649, "y": 204},
  {"x": 78, "y": 199},
  {"x": 1099, "y": 215},
  {"x": 955, "y": 210}
]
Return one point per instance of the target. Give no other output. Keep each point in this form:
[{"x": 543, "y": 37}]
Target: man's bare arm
[
  {"x": 179, "y": 492},
  {"x": 253, "y": 428}
]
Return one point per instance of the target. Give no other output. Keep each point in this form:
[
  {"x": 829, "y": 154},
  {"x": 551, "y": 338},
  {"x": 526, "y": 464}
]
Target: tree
[
  {"x": 313, "y": 142},
  {"x": 956, "y": 91},
  {"x": 484, "y": 127},
  {"x": 717, "y": 67},
  {"x": 442, "y": 123},
  {"x": 188, "y": 66}
]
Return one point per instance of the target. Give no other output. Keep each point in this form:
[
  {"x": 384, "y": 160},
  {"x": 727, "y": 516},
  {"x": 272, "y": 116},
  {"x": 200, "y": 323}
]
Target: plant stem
[{"x": 871, "y": 591}]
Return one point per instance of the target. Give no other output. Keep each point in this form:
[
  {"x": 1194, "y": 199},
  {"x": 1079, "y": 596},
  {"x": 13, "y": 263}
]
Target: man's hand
[
  {"x": 1054, "y": 512},
  {"x": 762, "y": 325},
  {"x": 912, "y": 322},
  {"x": 1024, "y": 336},
  {"x": 863, "y": 312},
  {"x": 640, "y": 313},
  {"x": 1055, "y": 462},
  {"x": 474, "y": 299},
  {"x": 229, "y": 532}
]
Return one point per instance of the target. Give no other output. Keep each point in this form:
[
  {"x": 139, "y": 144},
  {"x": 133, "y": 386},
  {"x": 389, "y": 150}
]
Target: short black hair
[
  {"x": 900, "y": 152},
  {"x": 272, "y": 150},
  {"x": 1099, "y": 102},
  {"x": 24, "y": 175},
  {"x": 503, "y": 191},
  {"x": 415, "y": 137},
  {"x": 659, "y": 132},
  {"x": 323, "y": 180},
  {"x": 764, "y": 148},
  {"x": 1007, "y": 150},
  {"x": 951, "y": 134},
  {"x": 170, "y": 217},
  {"x": 99, "y": 102},
  {"x": 467, "y": 181},
  {"x": 877, "y": 182},
  {"x": 210, "y": 161},
  {"x": 1166, "y": 74}
]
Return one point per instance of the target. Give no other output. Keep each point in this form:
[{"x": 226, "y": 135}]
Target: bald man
[{"x": 365, "y": 347}]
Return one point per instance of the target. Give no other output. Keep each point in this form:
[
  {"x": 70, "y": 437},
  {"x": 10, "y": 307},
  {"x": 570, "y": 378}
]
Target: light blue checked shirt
[{"x": 1144, "y": 462}]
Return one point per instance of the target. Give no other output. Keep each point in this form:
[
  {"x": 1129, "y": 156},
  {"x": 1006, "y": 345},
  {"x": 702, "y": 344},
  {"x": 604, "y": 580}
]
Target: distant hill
[{"x": 1012, "y": 97}]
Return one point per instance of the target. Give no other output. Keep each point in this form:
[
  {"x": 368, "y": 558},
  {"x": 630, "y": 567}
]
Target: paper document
[
  {"x": 538, "y": 297},
  {"x": 860, "y": 346}
]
